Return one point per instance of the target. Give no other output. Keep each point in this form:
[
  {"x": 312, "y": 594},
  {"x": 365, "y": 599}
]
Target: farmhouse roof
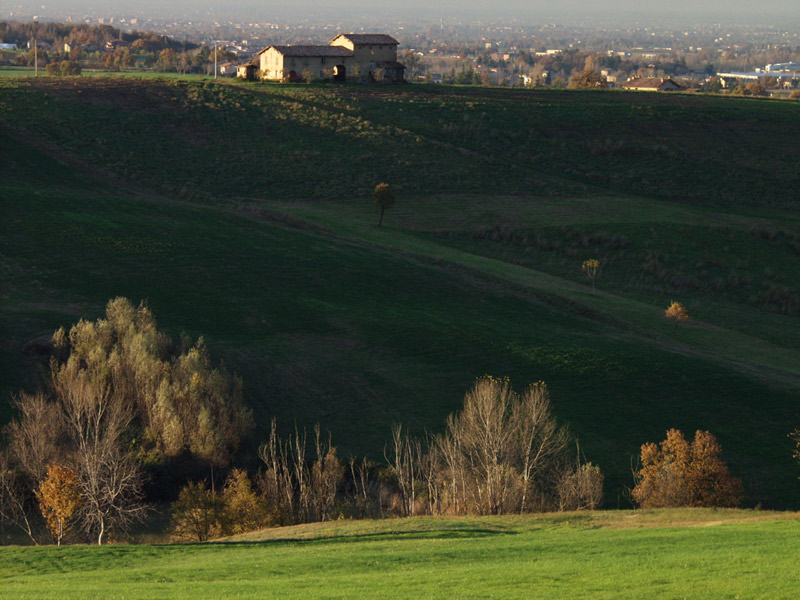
[
  {"x": 367, "y": 38},
  {"x": 311, "y": 50},
  {"x": 650, "y": 83}
]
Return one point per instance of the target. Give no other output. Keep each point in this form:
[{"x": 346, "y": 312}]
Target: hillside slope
[{"x": 267, "y": 247}]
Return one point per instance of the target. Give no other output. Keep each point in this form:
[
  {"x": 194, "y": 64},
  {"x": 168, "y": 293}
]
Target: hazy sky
[{"x": 718, "y": 10}]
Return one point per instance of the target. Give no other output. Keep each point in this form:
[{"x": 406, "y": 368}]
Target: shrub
[
  {"x": 581, "y": 488},
  {"x": 63, "y": 68},
  {"x": 198, "y": 514},
  {"x": 587, "y": 79},
  {"x": 244, "y": 509}
]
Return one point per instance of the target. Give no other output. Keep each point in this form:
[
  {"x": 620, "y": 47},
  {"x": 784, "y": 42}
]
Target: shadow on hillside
[{"x": 432, "y": 534}]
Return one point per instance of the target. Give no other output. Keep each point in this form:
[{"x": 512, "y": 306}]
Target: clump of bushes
[
  {"x": 121, "y": 395},
  {"x": 677, "y": 473},
  {"x": 503, "y": 452},
  {"x": 63, "y": 68},
  {"x": 201, "y": 513}
]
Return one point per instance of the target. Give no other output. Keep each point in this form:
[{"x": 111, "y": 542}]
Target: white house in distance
[{"x": 348, "y": 57}]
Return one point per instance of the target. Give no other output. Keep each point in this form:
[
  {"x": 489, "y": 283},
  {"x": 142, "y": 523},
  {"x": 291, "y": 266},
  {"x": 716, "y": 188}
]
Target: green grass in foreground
[{"x": 695, "y": 553}]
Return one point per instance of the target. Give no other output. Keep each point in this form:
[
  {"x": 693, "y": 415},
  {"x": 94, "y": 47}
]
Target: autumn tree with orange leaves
[
  {"x": 677, "y": 473},
  {"x": 677, "y": 313},
  {"x": 59, "y": 500}
]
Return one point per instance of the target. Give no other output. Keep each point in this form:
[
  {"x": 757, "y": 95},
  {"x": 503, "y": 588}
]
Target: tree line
[
  {"x": 20, "y": 33},
  {"x": 123, "y": 399}
]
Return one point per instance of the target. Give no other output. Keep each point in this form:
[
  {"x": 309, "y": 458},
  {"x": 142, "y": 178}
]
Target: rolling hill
[{"x": 241, "y": 212}]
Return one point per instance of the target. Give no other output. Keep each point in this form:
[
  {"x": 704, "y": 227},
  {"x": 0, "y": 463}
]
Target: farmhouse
[
  {"x": 348, "y": 57},
  {"x": 651, "y": 84}
]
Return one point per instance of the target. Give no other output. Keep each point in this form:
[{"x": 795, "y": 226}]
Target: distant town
[{"x": 747, "y": 59}]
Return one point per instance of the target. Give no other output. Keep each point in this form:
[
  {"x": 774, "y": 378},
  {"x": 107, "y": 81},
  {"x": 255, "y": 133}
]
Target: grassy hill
[
  {"x": 242, "y": 213},
  {"x": 622, "y": 554}
]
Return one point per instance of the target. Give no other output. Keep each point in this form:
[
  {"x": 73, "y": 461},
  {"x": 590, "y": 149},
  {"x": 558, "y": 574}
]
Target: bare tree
[
  {"x": 580, "y": 487},
  {"x": 486, "y": 441},
  {"x": 294, "y": 490},
  {"x": 404, "y": 460},
  {"x": 540, "y": 441},
  {"x": 36, "y": 437},
  {"x": 498, "y": 451},
  {"x": 359, "y": 475},
  {"x": 297, "y": 466},
  {"x": 412, "y": 62},
  {"x": 14, "y": 499},
  {"x": 276, "y": 482},
  {"x": 97, "y": 422},
  {"x": 35, "y": 440},
  {"x": 326, "y": 476}
]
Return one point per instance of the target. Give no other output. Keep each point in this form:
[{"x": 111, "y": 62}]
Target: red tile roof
[
  {"x": 311, "y": 50},
  {"x": 367, "y": 38}
]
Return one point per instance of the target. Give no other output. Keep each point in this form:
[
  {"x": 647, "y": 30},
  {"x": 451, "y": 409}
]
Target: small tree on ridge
[
  {"x": 384, "y": 199},
  {"x": 677, "y": 313},
  {"x": 592, "y": 269}
]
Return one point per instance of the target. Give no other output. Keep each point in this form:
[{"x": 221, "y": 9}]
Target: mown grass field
[
  {"x": 686, "y": 553},
  {"x": 242, "y": 213}
]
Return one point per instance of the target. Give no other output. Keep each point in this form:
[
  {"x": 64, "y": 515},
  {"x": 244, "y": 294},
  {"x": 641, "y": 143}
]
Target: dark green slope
[{"x": 327, "y": 324}]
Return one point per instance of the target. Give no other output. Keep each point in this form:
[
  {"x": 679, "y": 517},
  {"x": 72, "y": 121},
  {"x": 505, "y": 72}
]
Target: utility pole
[
  {"x": 35, "y": 51},
  {"x": 215, "y": 59}
]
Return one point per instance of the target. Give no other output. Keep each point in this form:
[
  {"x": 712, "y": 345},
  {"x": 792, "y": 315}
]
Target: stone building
[{"x": 348, "y": 57}]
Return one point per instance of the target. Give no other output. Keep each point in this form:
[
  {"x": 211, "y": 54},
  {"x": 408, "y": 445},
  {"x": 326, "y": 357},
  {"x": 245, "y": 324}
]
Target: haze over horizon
[{"x": 677, "y": 11}]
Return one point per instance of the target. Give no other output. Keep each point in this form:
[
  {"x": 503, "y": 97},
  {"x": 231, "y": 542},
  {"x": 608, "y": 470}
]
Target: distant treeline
[{"x": 95, "y": 36}]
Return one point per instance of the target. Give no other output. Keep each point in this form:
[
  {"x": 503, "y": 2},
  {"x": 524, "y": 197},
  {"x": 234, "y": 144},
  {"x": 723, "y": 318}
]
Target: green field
[
  {"x": 620, "y": 554},
  {"x": 241, "y": 212}
]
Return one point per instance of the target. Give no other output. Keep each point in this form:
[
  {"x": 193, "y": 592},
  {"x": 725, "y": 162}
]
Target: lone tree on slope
[
  {"x": 676, "y": 313},
  {"x": 384, "y": 198},
  {"x": 592, "y": 269}
]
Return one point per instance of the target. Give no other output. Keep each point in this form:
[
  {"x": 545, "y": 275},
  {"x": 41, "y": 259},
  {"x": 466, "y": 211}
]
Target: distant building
[
  {"x": 348, "y": 57},
  {"x": 227, "y": 69},
  {"x": 43, "y": 44},
  {"x": 248, "y": 71},
  {"x": 114, "y": 44},
  {"x": 652, "y": 84},
  {"x": 789, "y": 79},
  {"x": 790, "y": 67}
]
